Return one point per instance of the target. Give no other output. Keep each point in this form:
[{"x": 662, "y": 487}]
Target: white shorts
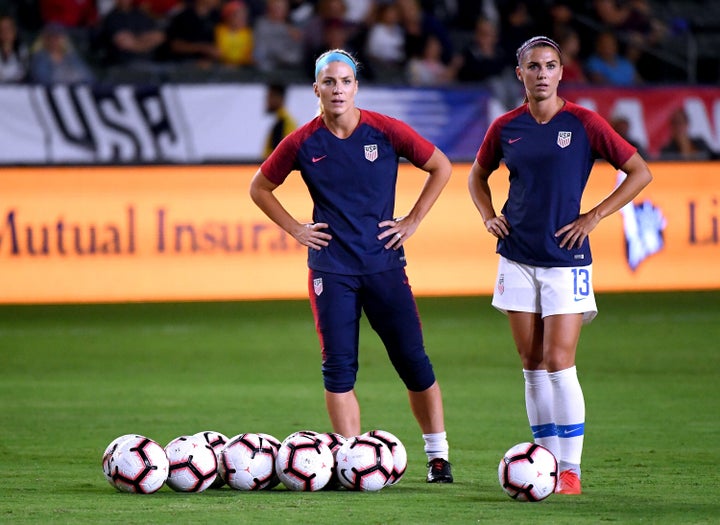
[{"x": 546, "y": 291}]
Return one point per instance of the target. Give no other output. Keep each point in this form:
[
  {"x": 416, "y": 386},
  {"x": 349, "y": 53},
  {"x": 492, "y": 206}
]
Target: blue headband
[{"x": 334, "y": 57}]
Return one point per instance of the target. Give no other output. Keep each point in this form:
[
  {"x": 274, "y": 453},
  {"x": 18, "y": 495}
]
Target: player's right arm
[
  {"x": 482, "y": 198},
  {"x": 310, "y": 235}
]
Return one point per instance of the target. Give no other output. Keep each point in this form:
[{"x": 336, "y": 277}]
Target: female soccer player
[
  {"x": 544, "y": 280},
  {"x": 348, "y": 158}
]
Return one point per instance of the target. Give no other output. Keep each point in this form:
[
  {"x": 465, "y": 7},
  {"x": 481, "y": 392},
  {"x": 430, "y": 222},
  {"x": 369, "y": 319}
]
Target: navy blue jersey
[
  {"x": 549, "y": 167},
  {"x": 352, "y": 183}
]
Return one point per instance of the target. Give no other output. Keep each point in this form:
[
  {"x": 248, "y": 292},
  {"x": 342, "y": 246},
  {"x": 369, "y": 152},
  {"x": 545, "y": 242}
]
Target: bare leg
[
  {"x": 344, "y": 412},
  {"x": 427, "y": 407}
]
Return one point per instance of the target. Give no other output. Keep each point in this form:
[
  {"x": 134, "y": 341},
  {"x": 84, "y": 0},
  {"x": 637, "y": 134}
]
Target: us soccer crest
[
  {"x": 501, "y": 284},
  {"x": 371, "y": 152},
  {"x": 318, "y": 285},
  {"x": 563, "y": 139}
]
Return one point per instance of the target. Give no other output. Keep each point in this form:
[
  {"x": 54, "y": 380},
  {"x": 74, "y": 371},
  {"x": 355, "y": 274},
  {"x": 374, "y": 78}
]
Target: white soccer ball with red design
[
  {"x": 193, "y": 465},
  {"x": 217, "y": 441},
  {"x": 528, "y": 472},
  {"x": 364, "y": 463},
  {"x": 109, "y": 450},
  {"x": 399, "y": 453},
  {"x": 275, "y": 443},
  {"x": 139, "y": 465},
  {"x": 334, "y": 441},
  {"x": 247, "y": 462},
  {"x": 304, "y": 463}
]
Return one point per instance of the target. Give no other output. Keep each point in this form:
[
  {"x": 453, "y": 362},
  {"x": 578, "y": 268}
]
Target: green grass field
[{"x": 72, "y": 378}]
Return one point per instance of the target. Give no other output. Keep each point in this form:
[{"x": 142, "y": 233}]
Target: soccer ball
[
  {"x": 333, "y": 440},
  {"x": 304, "y": 463},
  {"x": 193, "y": 465},
  {"x": 217, "y": 441},
  {"x": 275, "y": 444},
  {"x": 398, "y": 451},
  {"x": 364, "y": 463},
  {"x": 306, "y": 433},
  {"x": 109, "y": 450},
  {"x": 139, "y": 465},
  {"x": 247, "y": 462},
  {"x": 528, "y": 472}
]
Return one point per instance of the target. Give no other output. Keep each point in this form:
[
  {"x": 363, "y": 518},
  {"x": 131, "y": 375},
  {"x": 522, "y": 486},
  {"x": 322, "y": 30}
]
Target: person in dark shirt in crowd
[
  {"x": 483, "y": 57},
  {"x": 283, "y": 123},
  {"x": 191, "y": 33},
  {"x": 128, "y": 35},
  {"x": 621, "y": 124},
  {"x": 682, "y": 145}
]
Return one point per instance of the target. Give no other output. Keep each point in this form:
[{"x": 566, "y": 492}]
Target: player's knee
[
  {"x": 339, "y": 381},
  {"x": 419, "y": 378}
]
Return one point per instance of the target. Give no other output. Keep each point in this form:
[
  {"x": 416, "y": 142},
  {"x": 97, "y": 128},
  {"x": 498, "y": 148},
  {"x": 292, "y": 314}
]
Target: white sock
[
  {"x": 436, "y": 445},
  {"x": 569, "y": 409},
  {"x": 539, "y": 407}
]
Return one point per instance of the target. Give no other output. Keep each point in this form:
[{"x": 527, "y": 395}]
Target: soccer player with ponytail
[{"x": 544, "y": 279}]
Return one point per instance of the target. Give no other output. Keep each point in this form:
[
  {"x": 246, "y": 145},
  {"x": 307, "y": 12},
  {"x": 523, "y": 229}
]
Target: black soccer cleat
[{"x": 440, "y": 471}]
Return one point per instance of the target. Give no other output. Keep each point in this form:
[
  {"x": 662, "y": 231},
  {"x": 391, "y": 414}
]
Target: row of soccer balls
[{"x": 304, "y": 461}]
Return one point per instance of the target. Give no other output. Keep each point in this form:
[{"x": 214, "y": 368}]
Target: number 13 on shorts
[{"x": 581, "y": 282}]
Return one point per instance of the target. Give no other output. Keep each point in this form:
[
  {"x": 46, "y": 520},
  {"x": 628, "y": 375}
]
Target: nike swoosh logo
[
  {"x": 513, "y": 141},
  {"x": 580, "y": 299},
  {"x": 318, "y": 159}
]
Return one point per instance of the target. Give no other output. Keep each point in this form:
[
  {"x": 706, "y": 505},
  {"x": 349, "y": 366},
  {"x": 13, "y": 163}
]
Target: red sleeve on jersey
[
  {"x": 490, "y": 152},
  {"x": 405, "y": 140},
  {"x": 604, "y": 140},
  {"x": 283, "y": 159}
]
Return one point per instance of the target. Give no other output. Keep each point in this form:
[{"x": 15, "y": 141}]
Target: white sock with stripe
[
  {"x": 569, "y": 411},
  {"x": 539, "y": 407}
]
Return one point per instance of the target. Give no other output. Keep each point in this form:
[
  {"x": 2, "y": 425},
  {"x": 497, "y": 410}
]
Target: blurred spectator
[
  {"x": 234, "y": 35},
  {"x": 462, "y": 14},
  {"x": 483, "y": 57},
  {"x": 682, "y": 145},
  {"x": 14, "y": 54},
  {"x": 128, "y": 35},
  {"x": 191, "y": 33},
  {"x": 621, "y": 124},
  {"x": 337, "y": 34},
  {"x": 418, "y": 24},
  {"x": 517, "y": 24},
  {"x": 54, "y": 60},
  {"x": 560, "y": 19},
  {"x": 385, "y": 45},
  {"x": 284, "y": 123},
  {"x": 607, "y": 66},
  {"x": 69, "y": 13},
  {"x": 359, "y": 12},
  {"x": 328, "y": 14},
  {"x": 631, "y": 17},
  {"x": 428, "y": 69},
  {"x": 573, "y": 72},
  {"x": 278, "y": 44}
]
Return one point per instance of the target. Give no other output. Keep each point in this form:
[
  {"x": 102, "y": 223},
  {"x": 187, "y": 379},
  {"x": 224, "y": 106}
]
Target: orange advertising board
[{"x": 166, "y": 233}]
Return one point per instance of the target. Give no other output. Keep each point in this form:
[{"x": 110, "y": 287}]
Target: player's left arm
[
  {"x": 439, "y": 169},
  {"x": 638, "y": 176}
]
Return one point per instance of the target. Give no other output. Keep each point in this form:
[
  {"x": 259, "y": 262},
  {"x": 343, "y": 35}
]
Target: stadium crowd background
[
  {"x": 616, "y": 43},
  {"x": 417, "y": 42}
]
